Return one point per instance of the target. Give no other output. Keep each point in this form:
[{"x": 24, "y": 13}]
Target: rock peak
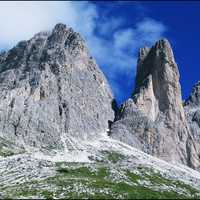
[
  {"x": 164, "y": 50},
  {"x": 162, "y": 43},
  {"x": 157, "y": 75},
  {"x": 62, "y": 29},
  {"x": 59, "y": 26},
  {"x": 194, "y": 98},
  {"x": 154, "y": 119},
  {"x": 51, "y": 85}
]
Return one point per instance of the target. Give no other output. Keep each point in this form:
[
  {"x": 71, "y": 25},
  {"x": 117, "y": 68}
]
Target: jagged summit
[
  {"x": 160, "y": 44},
  {"x": 157, "y": 71},
  {"x": 163, "y": 43},
  {"x": 148, "y": 58}
]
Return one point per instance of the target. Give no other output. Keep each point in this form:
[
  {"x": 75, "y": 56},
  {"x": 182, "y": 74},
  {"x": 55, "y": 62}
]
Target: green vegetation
[
  {"x": 8, "y": 149},
  {"x": 112, "y": 156},
  {"x": 157, "y": 179},
  {"x": 5, "y": 152},
  {"x": 133, "y": 177},
  {"x": 83, "y": 171},
  {"x": 47, "y": 195},
  {"x": 75, "y": 180}
]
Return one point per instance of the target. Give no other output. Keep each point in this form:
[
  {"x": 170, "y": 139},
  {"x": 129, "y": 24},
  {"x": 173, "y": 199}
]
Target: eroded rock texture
[
  {"x": 50, "y": 88},
  {"x": 192, "y": 111},
  {"x": 153, "y": 119}
]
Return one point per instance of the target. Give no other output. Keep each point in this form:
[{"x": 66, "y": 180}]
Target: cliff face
[
  {"x": 192, "y": 111},
  {"x": 153, "y": 119},
  {"x": 51, "y": 89},
  {"x": 157, "y": 82}
]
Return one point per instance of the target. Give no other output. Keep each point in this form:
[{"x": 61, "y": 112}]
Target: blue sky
[{"x": 114, "y": 31}]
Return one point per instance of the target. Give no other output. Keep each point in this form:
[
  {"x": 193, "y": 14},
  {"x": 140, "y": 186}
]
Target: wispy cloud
[
  {"x": 21, "y": 20},
  {"x": 149, "y": 30},
  {"x": 117, "y": 55},
  {"x": 113, "y": 43}
]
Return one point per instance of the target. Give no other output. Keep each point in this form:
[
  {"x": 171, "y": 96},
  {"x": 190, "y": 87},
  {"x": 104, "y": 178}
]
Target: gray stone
[
  {"x": 153, "y": 120},
  {"x": 51, "y": 89},
  {"x": 192, "y": 112},
  {"x": 194, "y": 98}
]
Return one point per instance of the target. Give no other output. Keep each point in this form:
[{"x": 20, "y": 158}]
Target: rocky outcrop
[
  {"x": 153, "y": 119},
  {"x": 192, "y": 111},
  {"x": 51, "y": 88},
  {"x": 194, "y": 98}
]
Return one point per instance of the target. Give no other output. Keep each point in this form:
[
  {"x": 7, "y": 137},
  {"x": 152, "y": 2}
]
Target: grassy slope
[{"x": 103, "y": 180}]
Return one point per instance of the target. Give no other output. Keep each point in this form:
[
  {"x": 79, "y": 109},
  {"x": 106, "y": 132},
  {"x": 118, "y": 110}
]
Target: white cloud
[
  {"x": 110, "y": 41},
  {"x": 149, "y": 30},
  {"x": 109, "y": 25},
  {"x": 150, "y": 26},
  {"x": 123, "y": 38},
  {"x": 21, "y": 20}
]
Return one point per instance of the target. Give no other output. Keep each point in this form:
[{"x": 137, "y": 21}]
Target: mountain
[
  {"x": 63, "y": 136},
  {"x": 51, "y": 89},
  {"x": 153, "y": 119}
]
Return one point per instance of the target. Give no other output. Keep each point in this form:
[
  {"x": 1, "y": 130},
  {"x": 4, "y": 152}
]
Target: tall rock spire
[
  {"x": 153, "y": 119},
  {"x": 157, "y": 81}
]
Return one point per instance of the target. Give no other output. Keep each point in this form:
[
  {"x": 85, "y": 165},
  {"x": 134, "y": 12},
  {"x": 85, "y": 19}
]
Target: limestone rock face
[
  {"x": 51, "y": 89},
  {"x": 192, "y": 111},
  {"x": 194, "y": 98},
  {"x": 153, "y": 119}
]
